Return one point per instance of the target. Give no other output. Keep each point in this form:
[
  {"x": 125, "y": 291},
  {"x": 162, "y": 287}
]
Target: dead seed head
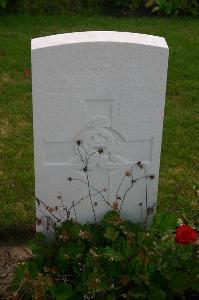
[
  {"x": 128, "y": 173},
  {"x": 51, "y": 209},
  {"x": 84, "y": 234},
  {"x": 100, "y": 150},
  {"x": 115, "y": 205}
]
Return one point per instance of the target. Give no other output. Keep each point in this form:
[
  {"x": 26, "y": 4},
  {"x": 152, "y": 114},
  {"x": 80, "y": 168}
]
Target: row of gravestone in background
[{"x": 98, "y": 106}]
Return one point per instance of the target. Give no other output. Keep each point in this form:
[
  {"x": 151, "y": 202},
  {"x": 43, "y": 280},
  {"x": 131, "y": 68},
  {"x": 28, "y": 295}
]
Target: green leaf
[
  {"x": 111, "y": 254},
  {"x": 158, "y": 295},
  {"x": 164, "y": 223},
  {"x": 61, "y": 291},
  {"x": 37, "y": 243},
  {"x": 136, "y": 266},
  {"x": 62, "y": 256},
  {"x": 75, "y": 249},
  {"x": 3, "y": 3},
  {"x": 112, "y": 218},
  {"x": 19, "y": 274},
  {"x": 111, "y": 234},
  {"x": 69, "y": 228},
  {"x": 110, "y": 297},
  {"x": 179, "y": 282},
  {"x": 96, "y": 281},
  {"x": 149, "y": 3},
  {"x": 155, "y": 9},
  {"x": 34, "y": 268}
]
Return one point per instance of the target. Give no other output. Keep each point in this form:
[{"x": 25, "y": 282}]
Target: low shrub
[
  {"x": 173, "y": 7},
  {"x": 115, "y": 259},
  {"x": 113, "y": 7},
  {"x": 50, "y": 7},
  {"x": 122, "y": 7}
]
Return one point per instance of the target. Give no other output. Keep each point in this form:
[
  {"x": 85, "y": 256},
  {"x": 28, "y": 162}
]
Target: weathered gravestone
[{"x": 98, "y": 106}]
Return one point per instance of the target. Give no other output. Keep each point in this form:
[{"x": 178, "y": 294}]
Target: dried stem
[
  {"x": 125, "y": 194},
  {"x": 119, "y": 186},
  {"x": 83, "y": 198},
  {"x": 65, "y": 212},
  {"x": 95, "y": 189},
  {"x": 85, "y": 169},
  {"x": 74, "y": 211}
]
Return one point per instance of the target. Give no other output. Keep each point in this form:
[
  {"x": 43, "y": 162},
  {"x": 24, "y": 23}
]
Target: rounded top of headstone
[{"x": 98, "y": 36}]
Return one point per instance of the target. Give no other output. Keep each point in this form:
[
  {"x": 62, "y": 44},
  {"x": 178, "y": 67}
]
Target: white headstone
[{"x": 91, "y": 91}]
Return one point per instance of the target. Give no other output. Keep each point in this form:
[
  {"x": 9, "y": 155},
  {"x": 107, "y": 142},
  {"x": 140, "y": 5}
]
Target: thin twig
[
  {"x": 125, "y": 194},
  {"x": 140, "y": 211},
  {"x": 74, "y": 211},
  {"x": 95, "y": 189},
  {"x": 120, "y": 185},
  {"x": 80, "y": 154},
  {"x": 146, "y": 189},
  {"x": 83, "y": 198},
  {"x": 90, "y": 197},
  {"x": 88, "y": 158}
]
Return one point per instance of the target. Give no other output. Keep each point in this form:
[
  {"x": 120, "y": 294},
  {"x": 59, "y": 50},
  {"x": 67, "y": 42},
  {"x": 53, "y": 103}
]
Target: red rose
[{"x": 185, "y": 235}]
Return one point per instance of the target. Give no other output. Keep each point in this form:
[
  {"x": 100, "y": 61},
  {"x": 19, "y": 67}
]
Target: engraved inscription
[
  {"x": 84, "y": 84},
  {"x": 106, "y": 65}
]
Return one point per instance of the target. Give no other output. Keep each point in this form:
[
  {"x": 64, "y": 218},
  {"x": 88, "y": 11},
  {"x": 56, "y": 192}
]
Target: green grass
[{"x": 178, "y": 174}]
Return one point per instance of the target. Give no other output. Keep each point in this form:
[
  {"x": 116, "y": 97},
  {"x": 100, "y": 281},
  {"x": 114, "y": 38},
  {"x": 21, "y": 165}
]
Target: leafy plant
[
  {"x": 170, "y": 7},
  {"x": 167, "y": 7},
  {"x": 126, "y": 7},
  {"x": 189, "y": 7},
  {"x": 51, "y": 7},
  {"x": 3, "y": 3},
  {"x": 115, "y": 259}
]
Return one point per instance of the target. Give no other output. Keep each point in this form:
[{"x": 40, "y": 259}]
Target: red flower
[{"x": 185, "y": 235}]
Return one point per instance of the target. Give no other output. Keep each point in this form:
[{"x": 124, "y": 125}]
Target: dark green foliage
[
  {"x": 44, "y": 7},
  {"x": 115, "y": 259},
  {"x": 189, "y": 7},
  {"x": 63, "y": 6},
  {"x": 51, "y": 7},
  {"x": 173, "y": 7},
  {"x": 123, "y": 7},
  {"x": 3, "y": 3},
  {"x": 119, "y": 7}
]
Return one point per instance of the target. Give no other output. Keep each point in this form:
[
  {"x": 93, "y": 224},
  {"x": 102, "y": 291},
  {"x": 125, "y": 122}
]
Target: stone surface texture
[{"x": 106, "y": 90}]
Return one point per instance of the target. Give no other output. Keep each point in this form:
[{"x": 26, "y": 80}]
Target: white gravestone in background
[{"x": 91, "y": 91}]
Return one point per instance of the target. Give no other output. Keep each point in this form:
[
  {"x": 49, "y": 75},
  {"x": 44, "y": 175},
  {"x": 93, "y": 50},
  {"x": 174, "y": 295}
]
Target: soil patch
[{"x": 10, "y": 256}]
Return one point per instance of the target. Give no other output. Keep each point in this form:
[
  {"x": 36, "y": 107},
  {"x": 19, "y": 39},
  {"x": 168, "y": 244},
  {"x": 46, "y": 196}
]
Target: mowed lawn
[{"x": 179, "y": 166}]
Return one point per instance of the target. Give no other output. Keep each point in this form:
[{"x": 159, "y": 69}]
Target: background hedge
[{"x": 111, "y": 7}]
